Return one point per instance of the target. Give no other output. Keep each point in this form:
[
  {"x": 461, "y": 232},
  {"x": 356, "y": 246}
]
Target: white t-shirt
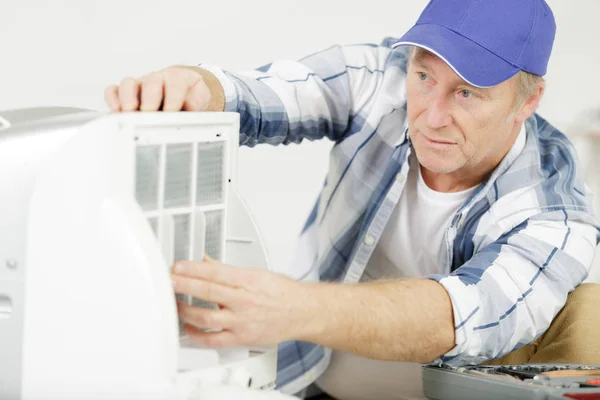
[{"x": 412, "y": 245}]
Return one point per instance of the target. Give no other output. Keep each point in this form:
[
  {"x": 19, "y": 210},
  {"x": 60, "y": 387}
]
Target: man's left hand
[{"x": 256, "y": 307}]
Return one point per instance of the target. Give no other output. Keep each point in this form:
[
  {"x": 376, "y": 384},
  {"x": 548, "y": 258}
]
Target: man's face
[{"x": 456, "y": 128}]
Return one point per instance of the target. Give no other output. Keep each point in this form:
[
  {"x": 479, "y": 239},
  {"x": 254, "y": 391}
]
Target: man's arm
[
  {"x": 509, "y": 292},
  {"x": 402, "y": 320},
  {"x": 502, "y": 298},
  {"x": 399, "y": 320},
  {"x": 321, "y": 95},
  {"x": 326, "y": 94}
]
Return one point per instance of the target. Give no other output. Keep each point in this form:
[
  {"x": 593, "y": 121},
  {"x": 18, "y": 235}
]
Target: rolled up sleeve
[{"x": 510, "y": 291}]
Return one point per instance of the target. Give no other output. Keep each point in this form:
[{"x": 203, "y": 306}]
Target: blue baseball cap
[{"x": 486, "y": 41}]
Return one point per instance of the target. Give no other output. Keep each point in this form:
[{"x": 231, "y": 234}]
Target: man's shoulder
[
  {"x": 544, "y": 182},
  {"x": 547, "y": 149},
  {"x": 548, "y": 133},
  {"x": 550, "y": 150},
  {"x": 547, "y": 169}
]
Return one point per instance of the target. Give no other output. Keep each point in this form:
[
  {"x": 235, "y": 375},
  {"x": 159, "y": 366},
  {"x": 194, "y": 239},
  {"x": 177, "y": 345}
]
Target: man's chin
[
  {"x": 438, "y": 166},
  {"x": 441, "y": 171}
]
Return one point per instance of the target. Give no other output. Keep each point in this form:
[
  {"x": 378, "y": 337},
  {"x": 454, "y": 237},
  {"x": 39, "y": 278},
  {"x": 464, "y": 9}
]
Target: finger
[
  {"x": 197, "y": 97},
  {"x": 111, "y": 97},
  {"x": 212, "y": 339},
  {"x": 216, "y": 272},
  {"x": 205, "y": 318},
  {"x": 129, "y": 94},
  {"x": 176, "y": 86},
  {"x": 206, "y": 290},
  {"x": 207, "y": 258},
  {"x": 152, "y": 91}
]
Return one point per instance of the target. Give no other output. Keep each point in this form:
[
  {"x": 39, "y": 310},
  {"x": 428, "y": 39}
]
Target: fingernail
[{"x": 178, "y": 268}]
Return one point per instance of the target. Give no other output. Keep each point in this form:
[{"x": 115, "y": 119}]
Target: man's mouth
[{"x": 437, "y": 141}]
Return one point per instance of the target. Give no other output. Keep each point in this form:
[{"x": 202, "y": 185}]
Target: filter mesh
[
  {"x": 212, "y": 246},
  {"x": 209, "y": 180},
  {"x": 178, "y": 186},
  {"x": 178, "y": 189},
  {"x": 176, "y": 198}
]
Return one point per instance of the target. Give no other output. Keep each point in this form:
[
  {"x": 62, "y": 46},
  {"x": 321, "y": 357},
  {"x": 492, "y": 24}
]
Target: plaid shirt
[{"x": 523, "y": 240}]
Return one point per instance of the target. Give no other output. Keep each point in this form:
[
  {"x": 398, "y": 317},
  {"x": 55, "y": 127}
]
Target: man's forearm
[{"x": 400, "y": 320}]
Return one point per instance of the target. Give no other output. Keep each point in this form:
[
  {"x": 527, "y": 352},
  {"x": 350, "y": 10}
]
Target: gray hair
[{"x": 527, "y": 84}]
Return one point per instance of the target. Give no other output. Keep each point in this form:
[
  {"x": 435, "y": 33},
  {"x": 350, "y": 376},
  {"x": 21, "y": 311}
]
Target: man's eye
[
  {"x": 422, "y": 76},
  {"x": 466, "y": 94}
]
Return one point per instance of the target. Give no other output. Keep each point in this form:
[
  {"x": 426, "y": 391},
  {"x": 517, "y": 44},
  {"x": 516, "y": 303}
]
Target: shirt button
[
  {"x": 400, "y": 177},
  {"x": 369, "y": 240}
]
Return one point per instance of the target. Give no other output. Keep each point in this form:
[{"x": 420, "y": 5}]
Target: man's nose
[{"x": 438, "y": 114}]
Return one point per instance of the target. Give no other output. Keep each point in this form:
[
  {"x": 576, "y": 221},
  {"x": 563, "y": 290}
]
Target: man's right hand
[{"x": 174, "y": 88}]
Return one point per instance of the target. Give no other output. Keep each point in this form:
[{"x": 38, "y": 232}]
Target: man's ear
[{"x": 530, "y": 104}]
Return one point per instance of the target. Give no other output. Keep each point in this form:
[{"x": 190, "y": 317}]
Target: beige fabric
[{"x": 573, "y": 336}]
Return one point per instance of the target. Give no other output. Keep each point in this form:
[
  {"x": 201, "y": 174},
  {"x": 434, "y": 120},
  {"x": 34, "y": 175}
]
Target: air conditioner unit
[{"x": 94, "y": 210}]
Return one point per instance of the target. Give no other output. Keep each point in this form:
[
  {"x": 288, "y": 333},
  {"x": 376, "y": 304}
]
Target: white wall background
[{"x": 64, "y": 52}]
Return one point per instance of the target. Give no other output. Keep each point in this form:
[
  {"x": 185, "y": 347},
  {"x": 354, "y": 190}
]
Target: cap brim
[{"x": 472, "y": 62}]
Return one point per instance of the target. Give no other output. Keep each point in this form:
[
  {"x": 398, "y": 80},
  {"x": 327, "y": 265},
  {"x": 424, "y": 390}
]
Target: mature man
[{"x": 455, "y": 217}]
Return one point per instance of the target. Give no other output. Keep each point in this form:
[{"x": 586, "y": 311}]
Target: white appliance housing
[{"x": 94, "y": 209}]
